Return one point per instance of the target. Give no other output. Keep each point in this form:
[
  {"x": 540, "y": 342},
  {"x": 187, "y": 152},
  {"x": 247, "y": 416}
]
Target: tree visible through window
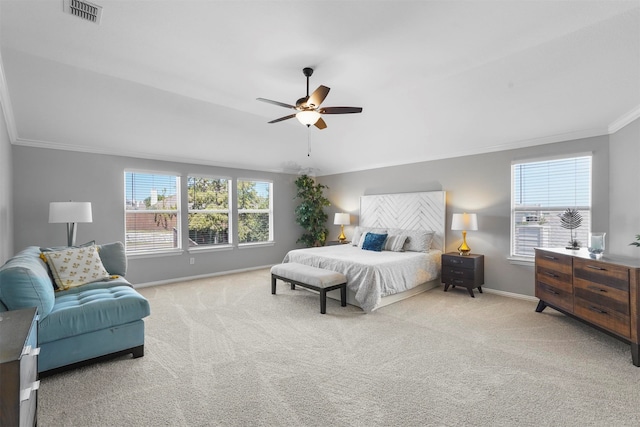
[
  {"x": 541, "y": 192},
  {"x": 152, "y": 212},
  {"x": 254, "y": 211},
  {"x": 209, "y": 212}
]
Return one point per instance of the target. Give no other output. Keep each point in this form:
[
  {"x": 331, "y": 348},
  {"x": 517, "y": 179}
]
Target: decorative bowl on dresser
[
  {"x": 18, "y": 367},
  {"x": 603, "y": 293}
]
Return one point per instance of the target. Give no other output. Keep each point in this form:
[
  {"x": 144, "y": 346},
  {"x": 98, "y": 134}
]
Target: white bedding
[{"x": 372, "y": 275}]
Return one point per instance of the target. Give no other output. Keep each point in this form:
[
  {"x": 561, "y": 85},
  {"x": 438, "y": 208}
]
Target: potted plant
[
  {"x": 571, "y": 219},
  {"x": 310, "y": 213}
]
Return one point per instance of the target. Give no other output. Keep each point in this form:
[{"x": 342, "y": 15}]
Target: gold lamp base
[
  {"x": 464, "y": 249},
  {"x": 342, "y": 237}
]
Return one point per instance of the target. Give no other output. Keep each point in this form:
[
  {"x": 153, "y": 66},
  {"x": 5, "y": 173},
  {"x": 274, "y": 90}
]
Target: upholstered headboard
[{"x": 412, "y": 211}]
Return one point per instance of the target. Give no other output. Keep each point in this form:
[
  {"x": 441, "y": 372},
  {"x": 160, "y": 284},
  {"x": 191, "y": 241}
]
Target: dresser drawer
[
  {"x": 553, "y": 261},
  {"x": 456, "y": 281},
  {"x": 609, "y": 277},
  {"x": 558, "y": 297},
  {"x": 602, "y": 316}
]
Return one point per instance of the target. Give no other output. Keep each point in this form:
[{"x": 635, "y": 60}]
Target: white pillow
[
  {"x": 418, "y": 240},
  {"x": 75, "y": 266},
  {"x": 395, "y": 242}
]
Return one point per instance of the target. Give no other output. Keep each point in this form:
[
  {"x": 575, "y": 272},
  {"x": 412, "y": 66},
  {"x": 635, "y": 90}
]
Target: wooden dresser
[
  {"x": 603, "y": 293},
  {"x": 18, "y": 367}
]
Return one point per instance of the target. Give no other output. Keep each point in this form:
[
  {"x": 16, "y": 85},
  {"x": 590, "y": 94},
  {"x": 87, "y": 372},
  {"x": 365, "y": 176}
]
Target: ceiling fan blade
[
  {"x": 318, "y": 95},
  {"x": 340, "y": 110},
  {"x": 320, "y": 124},
  {"x": 291, "y": 116},
  {"x": 281, "y": 104}
]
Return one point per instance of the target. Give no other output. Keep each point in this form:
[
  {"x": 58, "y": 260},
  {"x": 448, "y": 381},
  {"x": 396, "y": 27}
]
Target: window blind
[
  {"x": 541, "y": 192},
  {"x": 152, "y": 212}
]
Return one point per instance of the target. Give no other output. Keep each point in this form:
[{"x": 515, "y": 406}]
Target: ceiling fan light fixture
[{"x": 309, "y": 117}]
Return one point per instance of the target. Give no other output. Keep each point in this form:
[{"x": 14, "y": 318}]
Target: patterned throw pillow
[
  {"x": 74, "y": 267},
  {"x": 374, "y": 242},
  {"x": 395, "y": 242}
]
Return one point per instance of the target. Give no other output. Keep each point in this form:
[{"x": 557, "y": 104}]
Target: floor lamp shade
[
  {"x": 70, "y": 213},
  {"x": 463, "y": 222},
  {"x": 342, "y": 219}
]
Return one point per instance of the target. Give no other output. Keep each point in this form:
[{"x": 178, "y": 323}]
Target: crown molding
[{"x": 624, "y": 120}]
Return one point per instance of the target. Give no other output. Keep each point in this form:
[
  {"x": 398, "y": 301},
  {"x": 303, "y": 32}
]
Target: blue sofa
[{"x": 76, "y": 326}]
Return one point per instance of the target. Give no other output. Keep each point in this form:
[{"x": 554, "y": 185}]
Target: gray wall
[
  {"x": 6, "y": 180},
  {"x": 480, "y": 184},
  {"x": 41, "y": 176},
  {"x": 624, "y": 195}
]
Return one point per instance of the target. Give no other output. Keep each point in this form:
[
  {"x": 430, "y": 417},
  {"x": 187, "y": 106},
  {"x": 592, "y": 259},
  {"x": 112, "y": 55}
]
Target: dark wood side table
[
  {"x": 463, "y": 270},
  {"x": 19, "y": 367},
  {"x": 336, "y": 242}
]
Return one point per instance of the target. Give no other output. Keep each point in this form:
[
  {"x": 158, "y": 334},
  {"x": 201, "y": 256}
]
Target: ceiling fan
[{"x": 308, "y": 108}]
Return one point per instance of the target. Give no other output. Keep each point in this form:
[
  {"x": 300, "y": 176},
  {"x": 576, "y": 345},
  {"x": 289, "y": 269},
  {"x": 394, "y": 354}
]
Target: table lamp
[
  {"x": 342, "y": 219},
  {"x": 464, "y": 222}
]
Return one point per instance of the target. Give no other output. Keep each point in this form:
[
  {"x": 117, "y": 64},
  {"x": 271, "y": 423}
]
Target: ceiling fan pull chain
[{"x": 308, "y": 141}]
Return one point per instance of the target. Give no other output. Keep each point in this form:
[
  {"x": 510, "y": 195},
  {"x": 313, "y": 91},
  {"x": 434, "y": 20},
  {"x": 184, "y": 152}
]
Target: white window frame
[
  {"x": 132, "y": 253},
  {"x": 269, "y": 211},
  {"x": 227, "y": 211},
  {"x": 517, "y": 221}
]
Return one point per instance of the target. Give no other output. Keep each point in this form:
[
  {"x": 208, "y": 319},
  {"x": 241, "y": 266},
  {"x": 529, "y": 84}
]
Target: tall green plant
[{"x": 310, "y": 213}]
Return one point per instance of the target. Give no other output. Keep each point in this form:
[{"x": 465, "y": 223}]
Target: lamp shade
[
  {"x": 342, "y": 219},
  {"x": 70, "y": 212},
  {"x": 309, "y": 117},
  {"x": 464, "y": 222}
]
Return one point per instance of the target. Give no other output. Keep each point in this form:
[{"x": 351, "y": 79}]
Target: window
[
  {"x": 255, "y": 210},
  {"x": 152, "y": 212},
  {"x": 541, "y": 192},
  {"x": 209, "y": 211}
]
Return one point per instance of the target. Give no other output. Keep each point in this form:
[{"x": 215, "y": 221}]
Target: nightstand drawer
[
  {"x": 457, "y": 273},
  {"x": 458, "y": 261}
]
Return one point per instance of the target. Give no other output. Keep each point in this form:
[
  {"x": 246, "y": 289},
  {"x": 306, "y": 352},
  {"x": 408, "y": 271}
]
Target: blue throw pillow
[{"x": 374, "y": 242}]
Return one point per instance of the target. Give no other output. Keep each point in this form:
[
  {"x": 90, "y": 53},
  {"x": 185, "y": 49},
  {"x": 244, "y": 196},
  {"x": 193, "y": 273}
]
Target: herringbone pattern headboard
[{"x": 413, "y": 211}]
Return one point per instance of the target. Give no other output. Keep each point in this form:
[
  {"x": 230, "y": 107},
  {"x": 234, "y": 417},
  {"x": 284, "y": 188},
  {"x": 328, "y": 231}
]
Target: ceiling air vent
[{"x": 84, "y": 9}]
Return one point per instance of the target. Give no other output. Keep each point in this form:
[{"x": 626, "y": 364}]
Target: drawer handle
[
  {"x": 597, "y": 310},
  {"x": 458, "y": 272},
  {"x": 30, "y": 351},
  {"x": 455, "y": 261},
  {"x": 26, "y": 393},
  {"x": 458, "y": 281},
  {"x": 595, "y": 288},
  {"x": 551, "y": 274},
  {"x": 551, "y": 291},
  {"x": 550, "y": 257},
  {"x": 593, "y": 267}
]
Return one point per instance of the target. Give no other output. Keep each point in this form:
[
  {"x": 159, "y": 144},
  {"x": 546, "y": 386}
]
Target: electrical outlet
[{"x": 192, "y": 260}]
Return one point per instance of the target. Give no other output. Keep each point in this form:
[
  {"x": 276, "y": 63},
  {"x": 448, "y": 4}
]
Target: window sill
[
  {"x": 211, "y": 248},
  {"x": 154, "y": 254},
  {"x": 255, "y": 245},
  {"x": 525, "y": 261}
]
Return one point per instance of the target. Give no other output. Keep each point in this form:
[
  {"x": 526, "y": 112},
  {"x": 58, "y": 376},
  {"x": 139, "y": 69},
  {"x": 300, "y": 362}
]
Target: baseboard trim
[
  {"x": 201, "y": 276},
  {"x": 509, "y": 294}
]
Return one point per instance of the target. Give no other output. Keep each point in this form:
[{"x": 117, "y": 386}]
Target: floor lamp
[{"x": 70, "y": 213}]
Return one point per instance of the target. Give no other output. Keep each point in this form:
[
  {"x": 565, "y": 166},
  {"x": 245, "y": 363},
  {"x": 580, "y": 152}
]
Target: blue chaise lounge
[{"x": 80, "y": 324}]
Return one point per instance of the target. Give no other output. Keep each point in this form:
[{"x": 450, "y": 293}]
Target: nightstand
[
  {"x": 336, "y": 242},
  {"x": 463, "y": 270}
]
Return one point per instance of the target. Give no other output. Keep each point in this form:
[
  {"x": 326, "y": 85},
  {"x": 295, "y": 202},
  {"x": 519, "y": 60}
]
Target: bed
[{"x": 377, "y": 279}]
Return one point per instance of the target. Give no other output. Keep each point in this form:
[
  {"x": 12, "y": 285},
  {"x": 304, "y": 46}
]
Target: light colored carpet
[{"x": 224, "y": 351}]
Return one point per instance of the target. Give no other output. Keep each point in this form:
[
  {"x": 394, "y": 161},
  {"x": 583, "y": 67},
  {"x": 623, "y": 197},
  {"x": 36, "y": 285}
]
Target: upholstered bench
[{"x": 314, "y": 278}]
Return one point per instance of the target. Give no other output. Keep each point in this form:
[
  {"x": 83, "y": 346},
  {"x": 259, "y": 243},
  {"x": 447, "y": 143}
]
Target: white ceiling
[{"x": 178, "y": 80}]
